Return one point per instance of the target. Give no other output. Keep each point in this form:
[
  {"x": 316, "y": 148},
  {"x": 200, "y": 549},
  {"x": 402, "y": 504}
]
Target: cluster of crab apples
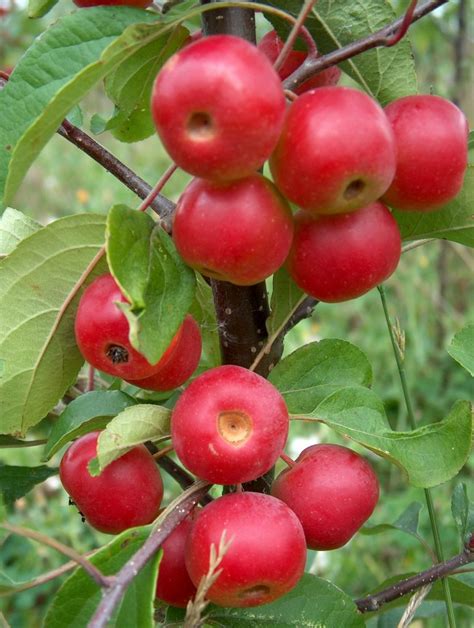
[
  {"x": 334, "y": 154},
  {"x": 338, "y": 157},
  {"x": 229, "y": 427}
]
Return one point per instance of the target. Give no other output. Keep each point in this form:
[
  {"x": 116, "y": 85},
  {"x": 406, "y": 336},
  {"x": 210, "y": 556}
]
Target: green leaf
[
  {"x": 54, "y": 74},
  {"x": 463, "y": 511},
  {"x": 462, "y": 348},
  {"x": 385, "y": 73},
  {"x": 14, "y": 227},
  {"x": 3, "y": 515},
  {"x": 85, "y": 414},
  {"x": 38, "y": 8},
  {"x": 17, "y": 481},
  {"x": 204, "y": 313},
  {"x": 40, "y": 283},
  {"x": 132, "y": 128},
  {"x": 285, "y": 297},
  {"x": 160, "y": 288},
  {"x": 133, "y": 426},
  {"x": 429, "y": 455},
  {"x": 453, "y": 222},
  {"x": 129, "y": 85},
  {"x": 313, "y": 372},
  {"x": 77, "y": 599},
  {"x": 407, "y": 522},
  {"x": 314, "y": 602}
]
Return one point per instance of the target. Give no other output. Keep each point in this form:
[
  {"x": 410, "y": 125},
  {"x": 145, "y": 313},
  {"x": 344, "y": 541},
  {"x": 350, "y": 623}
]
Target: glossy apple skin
[
  {"x": 100, "y": 326},
  {"x": 229, "y": 426},
  {"x": 267, "y": 555},
  {"x": 431, "y": 137},
  {"x": 337, "y": 258},
  {"x": 218, "y": 107},
  {"x": 271, "y": 46},
  {"x": 139, "y": 4},
  {"x": 332, "y": 491},
  {"x": 336, "y": 152},
  {"x": 174, "y": 586},
  {"x": 239, "y": 231},
  {"x": 179, "y": 361},
  {"x": 126, "y": 494}
]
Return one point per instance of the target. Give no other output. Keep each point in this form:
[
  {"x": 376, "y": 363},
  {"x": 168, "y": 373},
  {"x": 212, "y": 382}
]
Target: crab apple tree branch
[
  {"x": 174, "y": 514},
  {"x": 387, "y": 36},
  {"x": 409, "y": 585}
]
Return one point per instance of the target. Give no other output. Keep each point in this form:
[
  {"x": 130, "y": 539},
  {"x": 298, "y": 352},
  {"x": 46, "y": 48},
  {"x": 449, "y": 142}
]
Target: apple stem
[
  {"x": 160, "y": 184},
  {"x": 295, "y": 31},
  {"x": 289, "y": 461},
  {"x": 290, "y": 95},
  {"x": 162, "y": 452},
  {"x": 405, "y": 25},
  {"x": 91, "y": 379}
]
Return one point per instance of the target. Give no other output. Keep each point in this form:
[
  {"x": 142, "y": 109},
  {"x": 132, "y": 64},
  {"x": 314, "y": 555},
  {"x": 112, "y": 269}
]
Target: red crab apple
[
  {"x": 267, "y": 554},
  {"x": 174, "y": 586},
  {"x": 229, "y": 426},
  {"x": 341, "y": 257},
  {"x": 336, "y": 152},
  {"x": 178, "y": 362},
  {"x": 271, "y": 46},
  {"x": 139, "y": 4},
  {"x": 239, "y": 231},
  {"x": 332, "y": 490},
  {"x": 102, "y": 337},
  {"x": 126, "y": 494},
  {"x": 218, "y": 107},
  {"x": 431, "y": 138}
]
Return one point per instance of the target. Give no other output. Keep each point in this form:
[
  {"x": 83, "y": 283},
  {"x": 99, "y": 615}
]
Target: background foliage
[{"x": 428, "y": 295}]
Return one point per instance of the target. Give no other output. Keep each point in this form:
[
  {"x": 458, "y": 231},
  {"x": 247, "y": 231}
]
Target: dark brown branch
[
  {"x": 163, "y": 206},
  {"x": 409, "y": 585},
  {"x": 383, "y": 37},
  {"x": 179, "y": 509}
]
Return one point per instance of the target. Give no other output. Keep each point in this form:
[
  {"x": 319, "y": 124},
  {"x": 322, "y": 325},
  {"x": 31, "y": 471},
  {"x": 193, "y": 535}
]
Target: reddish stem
[
  {"x": 289, "y": 461},
  {"x": 405, "y": 25},
  {"x": 158, "y": 187},
  {"x": 297, "y": 28},
  {"x": 162, "y": 452}
]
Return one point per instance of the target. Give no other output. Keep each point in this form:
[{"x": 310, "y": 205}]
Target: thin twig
[
  {"x": 409, "y": 585},
  {"x": 46, "y": 577},
  {"x": 165, "y": 524},
  {"x": 383, "y": 37},
  {"x": 95, "y": 574}
]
